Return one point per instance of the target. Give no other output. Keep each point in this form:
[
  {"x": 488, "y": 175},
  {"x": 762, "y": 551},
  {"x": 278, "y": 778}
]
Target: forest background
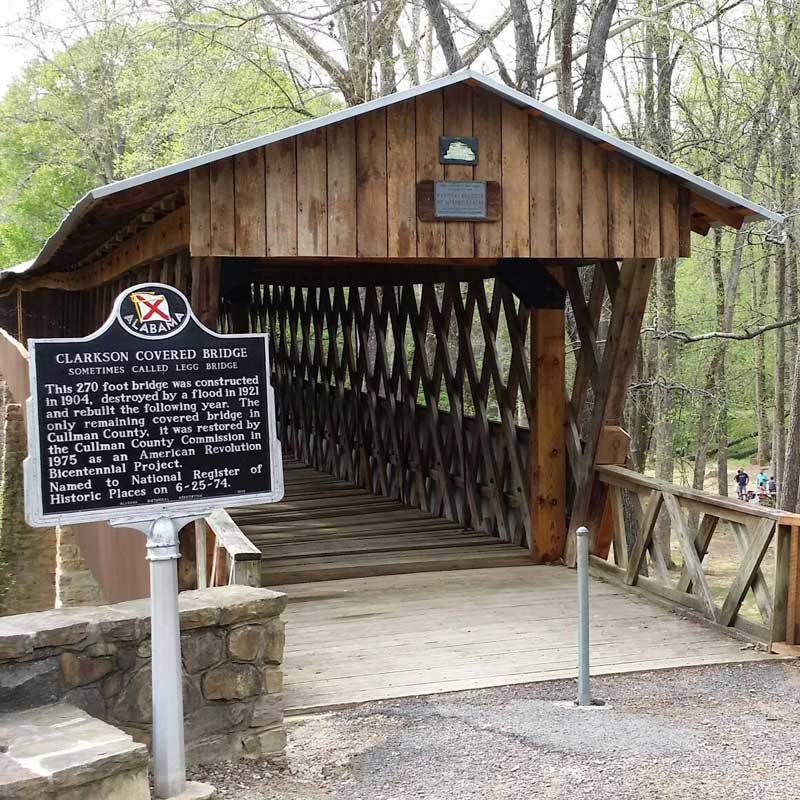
[{"x": 105, "y": 89}]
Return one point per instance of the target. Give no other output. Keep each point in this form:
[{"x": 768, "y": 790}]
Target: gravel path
[{"x": 715, "y": 732}]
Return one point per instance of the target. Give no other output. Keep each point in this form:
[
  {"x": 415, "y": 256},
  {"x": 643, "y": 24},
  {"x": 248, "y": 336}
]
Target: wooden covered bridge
[{"x": 452, "y": 333}]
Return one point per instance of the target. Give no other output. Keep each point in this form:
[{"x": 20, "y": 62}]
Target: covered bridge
[{"x": 418, "y": 262}]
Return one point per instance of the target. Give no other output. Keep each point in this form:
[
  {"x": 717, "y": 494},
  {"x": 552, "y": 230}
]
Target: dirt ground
[{"x": 715, "y": 732}]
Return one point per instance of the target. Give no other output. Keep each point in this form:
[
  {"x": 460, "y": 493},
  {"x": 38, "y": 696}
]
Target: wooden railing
[
  {"x": 739, "y": 564},
  {"x": 223, "y": 555}
]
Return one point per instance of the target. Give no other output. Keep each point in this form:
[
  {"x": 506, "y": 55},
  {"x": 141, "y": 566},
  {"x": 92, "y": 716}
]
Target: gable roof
[{"x": 698, "y": 185}]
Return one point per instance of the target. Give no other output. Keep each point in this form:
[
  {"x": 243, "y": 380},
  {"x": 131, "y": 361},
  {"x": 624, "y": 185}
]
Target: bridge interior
[{"x": 327, "y": 529}]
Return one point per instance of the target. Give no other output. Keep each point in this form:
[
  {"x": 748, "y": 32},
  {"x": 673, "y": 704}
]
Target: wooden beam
[
  {"x": 205, "y": 290},
  {"x": 548, "y": 462},
  {"x": 716, "y": 213},
  {"x": 786, "y": 603},
  {"x": 167, "y": 236}
]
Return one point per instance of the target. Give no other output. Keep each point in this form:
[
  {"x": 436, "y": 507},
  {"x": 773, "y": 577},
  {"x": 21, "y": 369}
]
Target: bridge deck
[
  {"x": 326, "y": 529},
  {"x": 355, "y": 640}
]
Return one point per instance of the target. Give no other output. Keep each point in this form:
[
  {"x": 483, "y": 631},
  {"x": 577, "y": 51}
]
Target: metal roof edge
[{"x": 702, "y": 186}]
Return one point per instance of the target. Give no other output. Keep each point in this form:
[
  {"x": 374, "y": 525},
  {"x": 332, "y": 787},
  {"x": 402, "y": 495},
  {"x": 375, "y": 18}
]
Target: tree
[{"x": 127, "y": 95}]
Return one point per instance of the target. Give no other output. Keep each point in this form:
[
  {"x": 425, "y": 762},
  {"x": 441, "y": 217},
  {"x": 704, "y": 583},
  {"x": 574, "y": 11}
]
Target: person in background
[
  {"x": 742, "y": 479},
  {"x": 772, "y": 487},
  {"x": 762, "y": 480}
]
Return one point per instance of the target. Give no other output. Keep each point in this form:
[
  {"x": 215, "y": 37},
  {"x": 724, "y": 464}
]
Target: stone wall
[
  {"x": 98, "y": 658},
  {"x": 27, "y": 555}
]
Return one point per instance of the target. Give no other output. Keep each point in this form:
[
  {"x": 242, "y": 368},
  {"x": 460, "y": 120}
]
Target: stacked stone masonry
[
  {"x": 98, "y": 659},
  {"x": 27, "y": 555}
]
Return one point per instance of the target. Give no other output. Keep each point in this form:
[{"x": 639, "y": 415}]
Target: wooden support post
[
  {"x": 547, "y": 448},
  {"x": 205, "y": 290},
  {"x": 786, "y": 609},
  {"x": 793, "y": 598}
]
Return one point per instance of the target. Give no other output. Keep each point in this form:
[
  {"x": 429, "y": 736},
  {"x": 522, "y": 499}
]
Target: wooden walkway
[
  {"x": 326, "y": 529},
  {"x": 355, "y": 640}
]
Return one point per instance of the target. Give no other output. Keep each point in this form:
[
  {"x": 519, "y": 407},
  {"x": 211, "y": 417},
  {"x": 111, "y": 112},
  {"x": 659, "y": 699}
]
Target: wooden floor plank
[
  {"x": 350, "y": 641},
  {"x": 327, "y": 529}
]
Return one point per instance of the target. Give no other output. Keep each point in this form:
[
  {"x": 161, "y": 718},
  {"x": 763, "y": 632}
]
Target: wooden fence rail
[{"x": 638, "y": 560}]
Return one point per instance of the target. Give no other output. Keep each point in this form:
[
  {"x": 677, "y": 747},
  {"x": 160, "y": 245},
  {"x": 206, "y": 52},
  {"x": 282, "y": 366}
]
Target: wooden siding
[{"x": 349, "y": 191}]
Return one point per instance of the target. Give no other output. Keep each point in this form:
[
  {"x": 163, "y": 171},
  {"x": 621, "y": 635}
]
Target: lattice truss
[{"x": 421, "y": 392}]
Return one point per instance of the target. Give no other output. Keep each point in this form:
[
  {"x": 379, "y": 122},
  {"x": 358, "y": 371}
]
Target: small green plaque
[{"x": 458, "y": 150}]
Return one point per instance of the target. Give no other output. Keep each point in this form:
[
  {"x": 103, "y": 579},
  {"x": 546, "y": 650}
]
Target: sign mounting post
[{"x": 151, "y": 422}]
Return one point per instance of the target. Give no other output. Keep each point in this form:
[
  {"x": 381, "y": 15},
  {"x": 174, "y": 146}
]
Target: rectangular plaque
[
  {"x": 459, "y": 199},
  {"x": 152, "y": 415},
  {"x": 426, "y": 203}
]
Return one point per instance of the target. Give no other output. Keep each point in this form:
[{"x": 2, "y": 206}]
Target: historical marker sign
[{"x": 153, "y": 415}]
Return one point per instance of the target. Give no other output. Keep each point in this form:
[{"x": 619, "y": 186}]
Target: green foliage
[{"x": 132, "y": 96}]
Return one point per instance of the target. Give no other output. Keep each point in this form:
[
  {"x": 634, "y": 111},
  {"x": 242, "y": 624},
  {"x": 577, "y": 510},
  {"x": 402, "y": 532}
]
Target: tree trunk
[
  {"x": 779, "y": 419},
  {"x": 664, "y": 398},
  {"x": 760, "y": 287},
  {"x": 788, "y": 488},
  {"x": 564, "y": 30},
  {"x": 525, "y": 46}
]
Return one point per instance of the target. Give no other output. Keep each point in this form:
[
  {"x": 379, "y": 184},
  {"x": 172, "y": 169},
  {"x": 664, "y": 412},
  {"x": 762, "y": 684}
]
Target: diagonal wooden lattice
[{"x": 420, "y": 392}]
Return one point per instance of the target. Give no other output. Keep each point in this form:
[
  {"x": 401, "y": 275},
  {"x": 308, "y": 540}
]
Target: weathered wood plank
[
  {"x": 200, "y": 211},
  {"x": 400, "y": 179},
  {"x": 669, "y": 218},
  {"x": 542, "y": 187},
  {"x": 486, "y": 126},
  {"x": 312, "y": 194},
  {"x": 620, "y": 206},
  {"x": 251, "y": 211},
  {"x": 429, "y": 127},
  {"x": 371, "y": 220},
  {"x": 684, "y": 223},
  {"x": 223, "y": 203},
  {"x": 205, "y": 290},
  {"x": 516, "y": 183},
  {"x": 569, "y": 211},
  {"x": 281, "y": 175},
  {"x": 341, "y": 142},
  {"x": 594, "y": 200},
  {"x": 647, "y": 213}
]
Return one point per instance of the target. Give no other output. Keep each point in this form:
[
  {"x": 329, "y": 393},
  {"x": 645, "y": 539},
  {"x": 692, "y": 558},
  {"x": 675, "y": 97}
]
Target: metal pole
[
  {"x": 584, "y": 692},
  {"x": 169, "y": 759}
]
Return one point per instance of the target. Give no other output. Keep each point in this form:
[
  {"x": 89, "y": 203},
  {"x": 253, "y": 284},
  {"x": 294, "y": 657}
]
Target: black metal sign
[
  {"x": 460, "y": 199},
  {"x": 153, "y": 415},
  {"x": 458, "y": 150}
]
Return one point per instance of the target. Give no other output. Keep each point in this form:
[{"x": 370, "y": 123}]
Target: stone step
[{"x": 59, "y": 751}]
